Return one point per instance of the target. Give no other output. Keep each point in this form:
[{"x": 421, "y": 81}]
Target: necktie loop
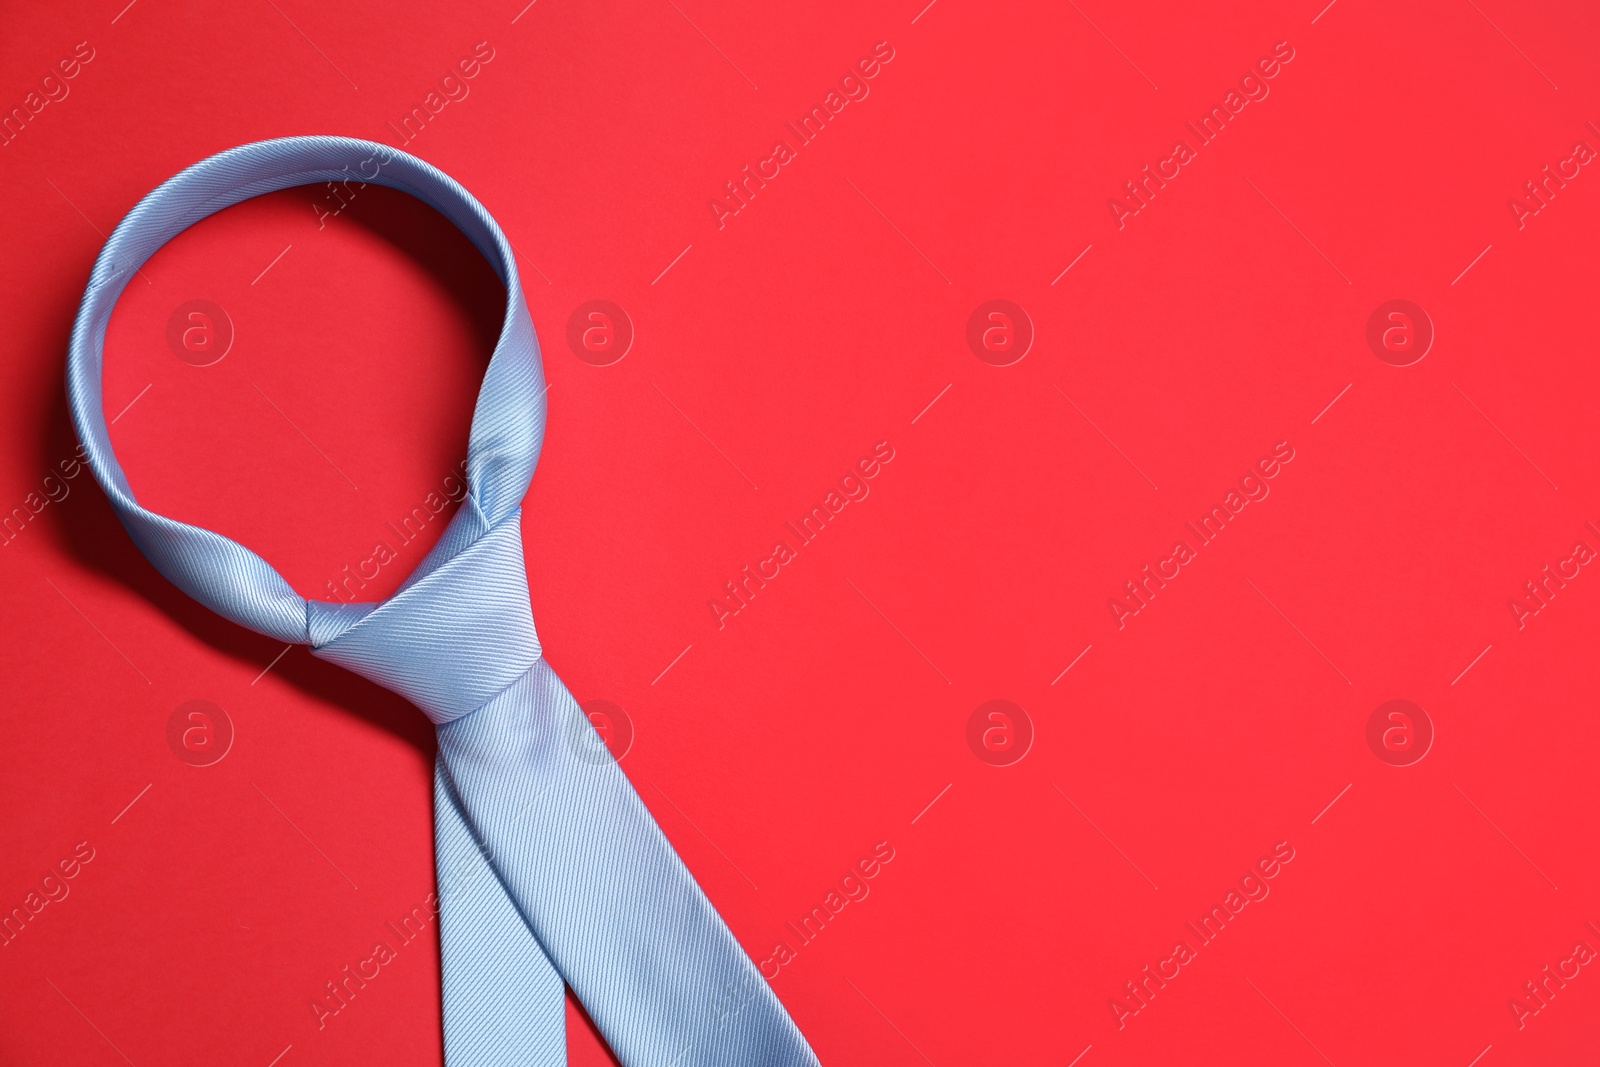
[{"x": 507, "y": 422}]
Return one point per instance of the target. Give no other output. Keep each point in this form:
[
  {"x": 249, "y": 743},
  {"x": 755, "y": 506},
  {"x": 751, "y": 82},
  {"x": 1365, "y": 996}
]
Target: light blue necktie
[{"x": 549, "y": 866}]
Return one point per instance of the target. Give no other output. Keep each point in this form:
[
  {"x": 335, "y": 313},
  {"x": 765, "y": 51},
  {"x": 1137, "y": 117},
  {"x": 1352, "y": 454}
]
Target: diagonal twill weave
[{"x": 551, "y": 871}]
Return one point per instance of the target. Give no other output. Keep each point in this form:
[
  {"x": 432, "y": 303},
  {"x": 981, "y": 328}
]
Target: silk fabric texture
[{"x": 550, "y": 868}]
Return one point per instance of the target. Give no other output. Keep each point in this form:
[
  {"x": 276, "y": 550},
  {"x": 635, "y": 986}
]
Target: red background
[{"x": 769, "y": 357}]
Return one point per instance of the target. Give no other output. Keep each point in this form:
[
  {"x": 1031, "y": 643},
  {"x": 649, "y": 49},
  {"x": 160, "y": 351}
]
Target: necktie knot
[{"x": 457, "y": 633}]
